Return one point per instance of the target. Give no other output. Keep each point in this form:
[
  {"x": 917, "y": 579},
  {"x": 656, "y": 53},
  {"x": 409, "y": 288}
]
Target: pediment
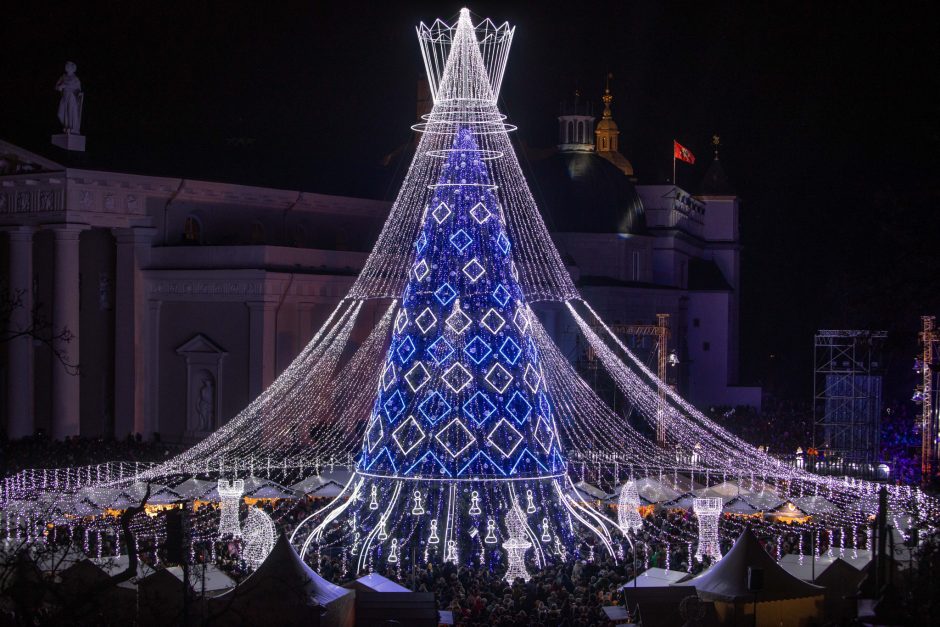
[
  {"x": 199, "y": 344},
  {"x": 17, "y": 160}
]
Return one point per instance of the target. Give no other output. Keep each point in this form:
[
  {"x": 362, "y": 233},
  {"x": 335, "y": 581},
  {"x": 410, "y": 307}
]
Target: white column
[
  {"x": 65, "y": 321},
  {"x": 262, "y": 335},
  {"x": 20, "y": 349},
  {"x": 133, "y": 249},
  {"x": 151, "y": 369}
]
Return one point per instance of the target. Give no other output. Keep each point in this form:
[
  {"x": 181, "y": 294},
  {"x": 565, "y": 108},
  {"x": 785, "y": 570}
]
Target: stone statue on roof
[{"x": 70, "y": 105}]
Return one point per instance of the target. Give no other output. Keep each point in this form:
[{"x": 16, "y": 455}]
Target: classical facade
[
  {"x": 181, "y": 299},
  {"x": 174, "y": 302}
]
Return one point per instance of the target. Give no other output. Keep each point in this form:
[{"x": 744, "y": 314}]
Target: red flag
[{"x": 682, "y": 153}]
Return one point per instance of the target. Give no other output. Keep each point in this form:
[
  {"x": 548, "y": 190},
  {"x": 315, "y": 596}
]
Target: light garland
[{"x": 487, "y": 410}]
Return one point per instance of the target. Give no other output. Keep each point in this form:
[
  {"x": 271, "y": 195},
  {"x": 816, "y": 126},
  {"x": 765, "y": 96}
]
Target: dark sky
[{"x": 827, "y": 113}]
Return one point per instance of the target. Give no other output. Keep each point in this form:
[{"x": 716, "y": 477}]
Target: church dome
[{"x": 582, "y": 192}]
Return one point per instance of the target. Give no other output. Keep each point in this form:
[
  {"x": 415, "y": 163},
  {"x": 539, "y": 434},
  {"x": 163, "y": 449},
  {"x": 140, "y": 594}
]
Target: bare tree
[{"x": 39, "y": 328}]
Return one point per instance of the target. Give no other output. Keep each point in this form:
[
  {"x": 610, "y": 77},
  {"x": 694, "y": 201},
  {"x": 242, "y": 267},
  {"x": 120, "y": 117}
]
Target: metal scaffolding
[
  {"x": 661, "y": 332},
  {"x": 930, "y": 418},
  {"x": 847, "y": 395}
]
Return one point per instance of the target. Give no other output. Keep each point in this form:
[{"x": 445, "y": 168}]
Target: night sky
[{"x": 827, "y": 114}]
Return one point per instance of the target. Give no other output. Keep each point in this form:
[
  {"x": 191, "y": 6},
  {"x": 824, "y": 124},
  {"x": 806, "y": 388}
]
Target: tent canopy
[
  {"x": 655, "y": 577},
  {"x": 805, "y": 567},
  {"x": 654, "y": 491},
  {"x": 378, "y": 583},
  {"x": 284, "y": 570},
  {"x": 727, "y": 580}
]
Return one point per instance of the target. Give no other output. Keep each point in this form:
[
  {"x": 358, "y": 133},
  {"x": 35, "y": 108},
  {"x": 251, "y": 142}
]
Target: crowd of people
[{"x": 41, "y": 451}]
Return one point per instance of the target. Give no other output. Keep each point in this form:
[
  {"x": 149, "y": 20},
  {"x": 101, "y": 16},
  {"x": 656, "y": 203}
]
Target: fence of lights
[{"x": 464, "y": 431}]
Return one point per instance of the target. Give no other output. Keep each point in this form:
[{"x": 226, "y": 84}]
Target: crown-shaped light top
[
  {"x": 439, "y": 40},
  {"x": 231, "y": 489}
]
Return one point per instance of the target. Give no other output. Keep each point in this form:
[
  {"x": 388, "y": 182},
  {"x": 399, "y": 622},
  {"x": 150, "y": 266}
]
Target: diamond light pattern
[
  {"x": 501, "y": 295},
  {"x": 440, "y": 350},
  {"x": 426, "y": 320},
  {"x": 480, "y": 213},
  {"x": 474, "y": 270},
  {"x": 499, "y": 378},
  {"x": 477, "y": 350},
  {"x": 493, "y": 321},
  {"x": 457, "y": 377},
  {"x": 532, "y": 378},
  {"x": 388, "y": 376},
  {"x": 408, "y": 435},
  {"x": 478, "y": 408},
  {"x": 417, "y": 377},
  {"x": 458, "y": 321},
  {"x": 518, "y": 407},
  {"x": 421, "y": 270},
  {"x": 441, "y": 213},
  {"x": 445, "y": 294},
  {"x": 455, "y": 437},
  {"x": 510, "y": 350},
  {"x": 504, "y": 438},
  {"x": 461, "y": 240},
  {"x": 460, "y": 398},
  {"x": 434, "y": 407}
]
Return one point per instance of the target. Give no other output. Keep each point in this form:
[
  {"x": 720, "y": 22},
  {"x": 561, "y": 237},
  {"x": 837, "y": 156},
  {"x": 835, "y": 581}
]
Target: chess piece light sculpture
[
  {"x": 516, "y": 545},
  {"x": 259, "y": 536},
  {"x": 708, "y": 512},
  {"x": 230, "y": 492},
  {"x": 628, "y": 508}
]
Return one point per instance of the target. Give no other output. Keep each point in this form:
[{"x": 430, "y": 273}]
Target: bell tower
[
  {"x": 607, "y": 135},
  {"x": 576, "y": 125}
]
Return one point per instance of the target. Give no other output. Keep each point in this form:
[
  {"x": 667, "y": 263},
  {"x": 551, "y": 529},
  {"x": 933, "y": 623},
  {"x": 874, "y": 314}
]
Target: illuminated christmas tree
[{"x": 463, "y": 425}]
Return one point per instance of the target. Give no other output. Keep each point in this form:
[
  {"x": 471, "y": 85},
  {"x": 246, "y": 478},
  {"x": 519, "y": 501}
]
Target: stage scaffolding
[{"x": 847, "y": 396}]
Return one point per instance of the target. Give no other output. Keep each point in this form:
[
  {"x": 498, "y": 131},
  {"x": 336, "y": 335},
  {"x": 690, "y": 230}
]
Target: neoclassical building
[{"x": 183, "y": 298}]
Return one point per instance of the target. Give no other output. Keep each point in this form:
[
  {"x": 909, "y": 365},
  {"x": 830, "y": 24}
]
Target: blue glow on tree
[{"x": 462, "y": 393}]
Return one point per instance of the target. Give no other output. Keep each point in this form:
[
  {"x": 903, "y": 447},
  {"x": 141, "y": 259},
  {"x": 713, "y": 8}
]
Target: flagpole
[{"x": 674, "y": 167}]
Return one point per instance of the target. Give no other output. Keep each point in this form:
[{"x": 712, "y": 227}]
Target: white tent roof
[
  {"x": 654, "y": 491},
  {"x": 164, "y": 496},
  {"x": 285, "y": 568},
  {"x": 379, "y": 583},
  {"x": 805, "y": 567},
  {"x": 815, "y": 505},
  {"x": 48, "y": 560},
  {"x": 117, "y": 564},
  {"x": 656, "y": 578},
  {"x": 270, "y": 490},
  {"x": 726, "y": 491},
  {"x": 765, "y": 502},
  {"x": 727, "y": 579},
  {"x": 738, "y": 505},
  {"x": 194, "y": 488},
  {"x": 857, "y": 558},
  {"x": 590, "y": 491}
]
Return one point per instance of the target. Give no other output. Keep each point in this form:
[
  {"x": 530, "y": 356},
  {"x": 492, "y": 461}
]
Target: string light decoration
[
  {"x": 258, "y": 537},
  {"x": 450, "y": 283},
  {"x": 708, "y": 511},
  {"x": 230, "y": 493},
  {"x": 628, "y": 509},
  {"x": 516, "y": 545},
  {"x": 461, "y": 404}
]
